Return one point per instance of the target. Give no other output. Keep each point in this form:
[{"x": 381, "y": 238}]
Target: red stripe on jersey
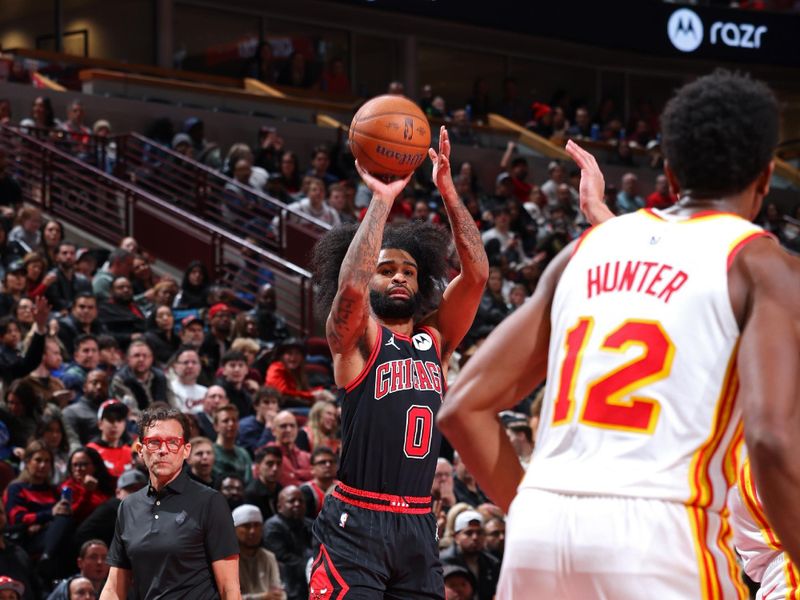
[
  {"x": 582, "y": 237},
  {"x": 370, "y": 361},
  {"x": 385, "y": 497},
  {"x": 382, "y": 507},
  {"x": 743, "y": 242}
]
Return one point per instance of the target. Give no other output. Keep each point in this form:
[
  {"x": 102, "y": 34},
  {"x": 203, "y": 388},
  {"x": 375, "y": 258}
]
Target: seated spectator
[
  {"x": 464, "y": 485},
  {"x": 69, "y": 283},
  {"x": 340, "y": 201},
  {"x": 142, "y": 277},
  {"x": 14, "y": 284},
  {"x": 100, "y": 524},
  {"x": 517, "y": 167},
  {"x": 53, "y": 433},
  {"x": 239, "y": 202},
  {"x": 36, "y": 280},
  {"x": 10, "y": 190},
  {"x": 256, "y": 430},
  {"x": 187, "y": 393},
  {"x": 269, "y": 150},
  {"x": 256, "y": 176},
  {"x": 322, "y": 428},
  {"x": 22, "y": 412},
  {"x": 622, "y": 155},
  {"x": 290, "y": 171},
  {"x": 661, "y": 197},
  {"x": 288, "y": 535},
  {"x": 324, "y": 466},
  {"x": 205, "y": 152},
  {"x": 138, "y": 384},
  {"x": 296, "y": 463},
  {"x": 47, "y": 387},
  {"x": 228, "y": 457},
  {"x": 217, "y": 340},
  {"x": 297, "y": 72},
  {"x": 460, "y": 129},
  {"x": 468, "y": 552},
  {"x": 201, "y": 460},
  {"x": 42, "y": 115},
  {"x": 261, "y": 65},
  {"x": 271, "y": 326},
  {"x": 161, "y": 334},
  {"x": 288, "y": 375},
  {"x": 23, "y": 311},
  {"x": 26, "y": 237},
  {"x": 11, "y": 589},
  {"x": 314, "y": 203},
  {"x": 120, "y": 315},
  {"x": 192, "y": 332},
  {"x": 259, "y": 576},
  {"x": 182, "y": 144},
  {"x": 334, "y": 79},
  {"x": 81, "y": 416},
  {"x": 231, "y": 487},
  {"x": 582, "y": 129},
  {"x": 492, "y": 309},
  {"x": 320, "y": 165},
  {"x": 214, "y": 398},
  {"x": 82, "y": 319},
  {"x": 495, "y": 529},
  {"x": 120, "y": 264},
  {"x": 509, "y": 246},
  {"x": 13, "y": 364},
  {"x": 264, "y": 488},
  {"x": 628, "y": 199},
  {"x": 113, "y": 444},
  {"x": 251, "y": 349},
  {"x": 234, "y": 372},
  {"x": 194, "y": 287},
  {"x": 16, "y": 566},
  {"x": 78, "y": 132},
  {"x": 92, "y": 567},
  {"x": 52, "y": 236},
  {"x": 459, "y": 583},
  {"x": 35, "y": 510},
  {"x": 89, "y": 480},
  {"x": 86, "y": 357},
  {"x": 442, "y": 493}
]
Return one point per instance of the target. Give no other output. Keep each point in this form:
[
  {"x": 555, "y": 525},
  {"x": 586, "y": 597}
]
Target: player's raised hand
[
  {"x": 592, "y": 187},
  {"x": 442, "y": 176},
  {"x": 381, "y": 189}
]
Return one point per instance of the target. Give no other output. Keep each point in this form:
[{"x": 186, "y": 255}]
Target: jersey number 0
[{"x": 611, "y": 401}]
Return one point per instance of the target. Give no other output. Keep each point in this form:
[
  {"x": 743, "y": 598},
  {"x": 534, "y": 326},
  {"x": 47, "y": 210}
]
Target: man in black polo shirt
[{"x": 175, "y": 537}]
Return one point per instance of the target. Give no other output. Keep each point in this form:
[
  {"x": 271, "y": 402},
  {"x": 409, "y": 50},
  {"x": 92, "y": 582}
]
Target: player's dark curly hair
[
  {"x": 427, "y": 243},
  {"x": 719, "y": 132}
]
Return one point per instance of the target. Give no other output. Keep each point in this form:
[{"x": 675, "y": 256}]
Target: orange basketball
[{"x": 390, "y": 135}]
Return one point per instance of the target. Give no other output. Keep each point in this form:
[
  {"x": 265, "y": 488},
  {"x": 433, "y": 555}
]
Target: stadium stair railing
[{"x": 109, "y": 208}]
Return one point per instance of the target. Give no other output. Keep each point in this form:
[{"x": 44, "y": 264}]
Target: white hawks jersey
[
  {"x": 642, "y": 381},
  {"x": 762, "y": 554}
]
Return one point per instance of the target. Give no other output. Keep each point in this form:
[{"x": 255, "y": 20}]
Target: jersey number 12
[{"x": 611, "y": 401}]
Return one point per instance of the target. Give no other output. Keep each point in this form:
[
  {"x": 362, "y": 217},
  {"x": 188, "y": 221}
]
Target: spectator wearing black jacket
[
  {"x": 120, "y": 315},
  {"x": 194, "y": 287},
  {"x": 138, "y": 384},
  {"x": 13, "y": 364},
  {"x": 15, "y": 562},
  {"x": 161, "y": 334},
  {"x": 14, "y": 286},
  {"x": 82, "y": 319},
  {"x": 234, "y": 373},
  {"x": 288, "y": 536},
  {"x": 468, "y": 551},
  {"x": 271, "y": 326},
  {"x": 69, "y": 283}
]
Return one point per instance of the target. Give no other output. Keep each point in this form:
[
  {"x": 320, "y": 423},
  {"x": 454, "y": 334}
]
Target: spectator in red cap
[
  {"x": 10, "y": 589},
  {"x": 217, "y": 340}
]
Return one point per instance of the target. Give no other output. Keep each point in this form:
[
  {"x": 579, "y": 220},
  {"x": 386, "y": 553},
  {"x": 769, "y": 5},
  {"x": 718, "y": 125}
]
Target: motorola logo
[{"x": 685, "y": 30}]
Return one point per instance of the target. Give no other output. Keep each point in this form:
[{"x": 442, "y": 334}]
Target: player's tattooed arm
[
  {"x": 463, "y": 294},
  {"x": 349, "y": 315}
]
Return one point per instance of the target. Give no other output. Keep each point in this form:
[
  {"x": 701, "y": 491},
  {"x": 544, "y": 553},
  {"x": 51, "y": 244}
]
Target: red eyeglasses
[{"x": 153, "y": 444}]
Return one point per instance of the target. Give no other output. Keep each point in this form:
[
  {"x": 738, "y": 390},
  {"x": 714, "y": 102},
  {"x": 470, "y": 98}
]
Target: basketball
[{"x": 390, "y": 135}]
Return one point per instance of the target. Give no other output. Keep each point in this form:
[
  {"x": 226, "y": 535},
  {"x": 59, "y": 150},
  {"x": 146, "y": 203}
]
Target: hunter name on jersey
[
  {"x": 407, "y": 374},
  {"x": 641, "y": 276}
]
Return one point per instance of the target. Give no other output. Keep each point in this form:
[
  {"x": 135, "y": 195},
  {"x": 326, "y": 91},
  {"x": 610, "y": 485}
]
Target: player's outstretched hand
[
  {"x": 592, "y": 188},
  {"x": 382, "y": 189},
  {"x": 441, "y": 162}
]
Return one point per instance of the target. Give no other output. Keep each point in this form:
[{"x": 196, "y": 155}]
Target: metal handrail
[{"x": 110, "y": 208}]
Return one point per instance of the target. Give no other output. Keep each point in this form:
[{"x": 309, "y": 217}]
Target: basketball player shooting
[
  {"x": 376, "y": 534},
  {"x": 655, "y": 330}
]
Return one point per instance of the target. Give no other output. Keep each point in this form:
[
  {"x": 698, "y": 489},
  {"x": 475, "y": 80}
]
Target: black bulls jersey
[{"x": 390, "y": 443}]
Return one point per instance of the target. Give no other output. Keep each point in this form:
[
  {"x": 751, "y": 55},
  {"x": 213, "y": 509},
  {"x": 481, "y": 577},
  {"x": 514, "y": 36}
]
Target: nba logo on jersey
[{"x": 422, "y": 341}]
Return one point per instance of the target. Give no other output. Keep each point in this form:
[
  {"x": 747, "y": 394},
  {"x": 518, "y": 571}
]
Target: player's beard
[{"x": 386, "y": 307}]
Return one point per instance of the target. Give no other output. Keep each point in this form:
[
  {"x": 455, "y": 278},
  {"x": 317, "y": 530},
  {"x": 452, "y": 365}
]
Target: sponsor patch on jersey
[{"x": 422, "y": 341}]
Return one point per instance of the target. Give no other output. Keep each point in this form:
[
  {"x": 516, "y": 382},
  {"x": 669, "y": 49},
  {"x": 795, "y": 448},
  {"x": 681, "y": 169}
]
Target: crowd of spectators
[{"x": 90, "y": 338}]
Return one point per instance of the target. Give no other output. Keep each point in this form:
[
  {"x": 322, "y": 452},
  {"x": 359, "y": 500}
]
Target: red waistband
[{"x": 413, "y": 505}]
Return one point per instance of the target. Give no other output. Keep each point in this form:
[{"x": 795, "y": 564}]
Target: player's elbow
[{"x": 449, "y": 417}]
